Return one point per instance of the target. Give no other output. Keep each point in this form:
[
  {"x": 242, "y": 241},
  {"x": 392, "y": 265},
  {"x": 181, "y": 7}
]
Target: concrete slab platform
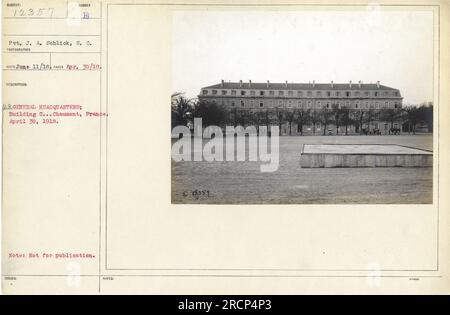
[{"x": 364, "y": 155}]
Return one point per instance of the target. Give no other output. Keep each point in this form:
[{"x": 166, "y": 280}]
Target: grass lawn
[{"x": 243, "y": 183}]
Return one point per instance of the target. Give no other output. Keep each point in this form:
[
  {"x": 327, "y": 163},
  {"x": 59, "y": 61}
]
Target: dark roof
[{"x": 297, "y": 86}]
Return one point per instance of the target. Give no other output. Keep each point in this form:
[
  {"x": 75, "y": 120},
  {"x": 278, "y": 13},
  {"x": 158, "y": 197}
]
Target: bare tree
[
  {"x": 302, "y": 117},
  {"x": 346, "y": 118},
  {"x": 259, "y": 117},
  {"x": 181, "y": 109},
  {"x": 244, "y": 117},
  {"x": 412, "y": 117},
  {"x": 290, "y": 117},
  {"x": 326, "y": 117},
  {"x": 391, "y": 115},
  {"x": 314, "y": 118},
  {"x": 370, "y": 116},
  {"x": 336, "y": 112},
  {"x": 358, "y": 121},
  {"x": 280, "y": 114}
]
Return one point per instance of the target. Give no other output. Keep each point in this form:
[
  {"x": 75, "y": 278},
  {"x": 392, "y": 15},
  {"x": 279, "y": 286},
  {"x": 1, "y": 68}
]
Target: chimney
[
  {"x": 350, "y": 84},
  {"x": 314, "y": 83},
  {"x": 223, "y": 83},
  {"x": 378, "y": 84},
  {"x": 249, "y": 83},
  {"x": 331, "y": 84},
  {"x": 240, "y": 83},
  {"x": 359, "y": 83},
  {"x": 268, "y": 84},
  {"x": 286, "y": 85}
]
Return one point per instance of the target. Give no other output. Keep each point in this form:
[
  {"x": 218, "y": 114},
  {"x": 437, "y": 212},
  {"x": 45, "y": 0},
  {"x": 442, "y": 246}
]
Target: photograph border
[{"x": 108, "y": 268}]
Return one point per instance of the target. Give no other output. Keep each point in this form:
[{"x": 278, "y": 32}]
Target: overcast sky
[{"x": 394, "y": 47}]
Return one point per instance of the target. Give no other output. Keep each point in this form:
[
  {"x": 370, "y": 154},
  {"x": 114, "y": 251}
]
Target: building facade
[{"x": 312, "y": 96}]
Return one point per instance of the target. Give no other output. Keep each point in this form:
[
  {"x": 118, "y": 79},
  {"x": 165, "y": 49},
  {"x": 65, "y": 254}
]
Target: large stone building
[{"x": 314, "y": 96}]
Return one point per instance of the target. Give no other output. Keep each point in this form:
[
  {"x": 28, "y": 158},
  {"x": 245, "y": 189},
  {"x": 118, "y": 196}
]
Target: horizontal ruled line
[
  {"x": 50, "y": 35},
  {"x": 49, "y": 18},
  {"x": 50, "y": 70},
  {"x": 51, "y": 52}
]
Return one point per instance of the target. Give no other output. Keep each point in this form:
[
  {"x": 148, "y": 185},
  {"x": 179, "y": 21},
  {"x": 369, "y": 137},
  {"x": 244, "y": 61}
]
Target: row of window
[
  {"x": 319, "y": 126},
  {"x": 299, "y": 93},
  {"x": 309, "y": 104}
]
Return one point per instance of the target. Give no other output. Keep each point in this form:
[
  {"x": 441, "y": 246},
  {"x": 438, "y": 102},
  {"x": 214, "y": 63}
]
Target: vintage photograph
[{"x": 302, "y": 106}]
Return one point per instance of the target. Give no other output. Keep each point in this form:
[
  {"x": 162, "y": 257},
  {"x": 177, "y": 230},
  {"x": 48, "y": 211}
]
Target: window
[
  {"x": 224, "y": 92},
  {"x": 242, "y": 103},
  {"x": 309, "y": 93},
  {"x": 318, "y": 93},
  {"x": 290, "y": 93},
  {"x": 289, "y": 103},
  {"x": 396, "y": 105},
  {"x": 252, "y": 93},
  {"x": 319, "y": 105},
  {"x": 261, "y": 104},
  {"x": 261, "y": 93},
  {"x": 242, "y": 92},
  {"x": 356, "y": 105},
  {"x": 300, "y": 104},
  {"x": 377, "y": 105},
  {"x": 280, "y": 93},
  {"x": 347, "y": 104},
  {"x": 338, "y": 93},
  {"x": 367, "y": 103},
  {"x": 347, "y": 94},
  {"x": 309, "y": 104},
  {"x": 205, "y": 92},
  {"x": 251, "y": 103},
  {"x": 280, "y": 103},
  {"x": 214, "y": 92},
  {"x": 328, "y": 105},
  {"x": 272, "y": 93},
  {"x": 328, "y": 93},
  {"x": 233, "y": 92},
  {"x": 385, "y": 93},
  {"x": 232, "y": 104},
  {"x": 375, "y": 93},
  {"x": 299, "y": 93},
  {"x": 357, "y": 93},
  {"x": 395, "y": 93},
  {"x": 366, "y": 93}
]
